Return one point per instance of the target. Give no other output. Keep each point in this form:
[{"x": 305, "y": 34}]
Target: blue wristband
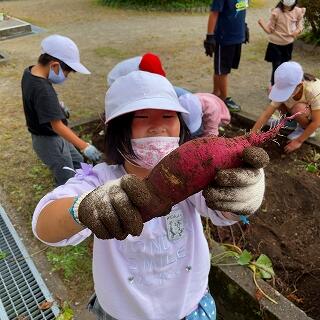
[{"x": 72, "y": 211}]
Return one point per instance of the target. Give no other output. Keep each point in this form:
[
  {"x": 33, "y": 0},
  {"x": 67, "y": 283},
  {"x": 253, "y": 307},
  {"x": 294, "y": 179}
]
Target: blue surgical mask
[{"x": 56, "y": 78}]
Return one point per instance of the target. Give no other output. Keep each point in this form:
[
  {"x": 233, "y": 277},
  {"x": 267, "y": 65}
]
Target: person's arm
[
  {"x": 65, "y": 132},
  {"x": 55, "y": 222},
  {"x": 300, "y": 23},
  {"x": 264, "y": 117},
  {"x": 271, "y": 25},
  {"x": 311, "y": 128},
  {"x": 212, "y": 21},
  {"x": 264, "y": 26}
]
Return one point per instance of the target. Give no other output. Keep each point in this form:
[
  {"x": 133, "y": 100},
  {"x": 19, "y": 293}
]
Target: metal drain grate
[{"x": 22, "y": 289}]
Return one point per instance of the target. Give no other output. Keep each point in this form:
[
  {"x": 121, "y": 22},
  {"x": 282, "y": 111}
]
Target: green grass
[
  {"x": 109, "y": 52},
  {"x": 310, "y": 38},
  {"x": 258, "y": 3},
  {"x": 178, "y": 5},
  {"x": 74, "y": 263}
]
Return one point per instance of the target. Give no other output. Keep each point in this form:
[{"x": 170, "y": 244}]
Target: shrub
[
  {"x": 312, "y": 19},
  {"x": 158, "y": 4}
]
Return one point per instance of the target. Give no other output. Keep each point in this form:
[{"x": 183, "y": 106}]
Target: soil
[{"x": 286, "y": 227}]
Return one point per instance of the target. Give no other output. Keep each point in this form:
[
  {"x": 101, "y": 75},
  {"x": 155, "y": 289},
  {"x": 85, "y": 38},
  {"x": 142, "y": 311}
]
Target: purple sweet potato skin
[{"x": 191, "y": 167}]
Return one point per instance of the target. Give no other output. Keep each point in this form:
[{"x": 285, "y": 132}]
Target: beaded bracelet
[{"x": 73, "y": 210}]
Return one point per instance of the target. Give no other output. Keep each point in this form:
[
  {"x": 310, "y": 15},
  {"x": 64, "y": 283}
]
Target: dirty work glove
[
  {"x": 209, "y": 44},
  {"x": 65, "y": 109},
  {"x": 108, "y": 212},
  {"x": 91, "y": 152},
  {"x": 247, "y": 34},
  {"x": 239, "y": 190}
]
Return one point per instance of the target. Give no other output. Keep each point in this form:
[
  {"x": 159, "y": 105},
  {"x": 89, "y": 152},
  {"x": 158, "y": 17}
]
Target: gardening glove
[
  {"x": 247, "y": 34},
  {"x": 108, "y": 212},
  {"x": 209, "y": 44},
  {"x": 65, "y": 109},
  {"x": 91, "y": 152},
  {"x": 239, "y": 190}
]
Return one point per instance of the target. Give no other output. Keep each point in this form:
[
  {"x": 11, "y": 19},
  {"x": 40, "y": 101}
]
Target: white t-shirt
[{"x": 149, "y": 277}]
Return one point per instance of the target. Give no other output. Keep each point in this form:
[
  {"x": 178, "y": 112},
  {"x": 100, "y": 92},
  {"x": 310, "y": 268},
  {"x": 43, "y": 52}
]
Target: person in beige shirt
[
  {"x": 284, "y": 26},
  {"x": 292, "y": 92}
]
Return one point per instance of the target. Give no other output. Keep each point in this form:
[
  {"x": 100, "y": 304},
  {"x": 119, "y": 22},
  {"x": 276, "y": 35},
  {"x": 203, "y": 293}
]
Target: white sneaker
[{"x": 297, "y": 133}]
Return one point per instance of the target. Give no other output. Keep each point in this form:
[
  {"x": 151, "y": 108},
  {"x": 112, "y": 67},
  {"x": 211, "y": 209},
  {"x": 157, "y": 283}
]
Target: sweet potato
[{"x": 190, "y": 168}]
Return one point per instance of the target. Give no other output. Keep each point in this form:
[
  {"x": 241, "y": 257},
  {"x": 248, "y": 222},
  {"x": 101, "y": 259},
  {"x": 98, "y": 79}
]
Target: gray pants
[{"x": 56, "y": 153}]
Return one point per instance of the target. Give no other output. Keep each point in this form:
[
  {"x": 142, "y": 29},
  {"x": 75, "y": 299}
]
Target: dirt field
[
  {"x": 287, "y": 226},
  {"x": 106, "y": 36}
]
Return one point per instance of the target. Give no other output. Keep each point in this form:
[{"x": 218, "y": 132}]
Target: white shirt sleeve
[{"x": 82, "y": 182}]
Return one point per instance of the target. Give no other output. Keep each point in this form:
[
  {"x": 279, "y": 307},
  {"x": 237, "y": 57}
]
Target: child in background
[
  {"x": 206, "y": 113},
  {"x": 160, "y": 269},
  {"x": 148, "y": 62},
  {"x": 284, "y": 26},
  {"x": 53, "y": 141},
  {"x": 293, "y": 92}
]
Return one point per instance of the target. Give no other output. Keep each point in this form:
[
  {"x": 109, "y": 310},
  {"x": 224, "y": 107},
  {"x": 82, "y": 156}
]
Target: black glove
[
  {"x": 246, "y": 34},
  {"x": 209, "y": 44}
]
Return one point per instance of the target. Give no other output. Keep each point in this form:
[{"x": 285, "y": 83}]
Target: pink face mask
[{"x": 152, "y": 149}]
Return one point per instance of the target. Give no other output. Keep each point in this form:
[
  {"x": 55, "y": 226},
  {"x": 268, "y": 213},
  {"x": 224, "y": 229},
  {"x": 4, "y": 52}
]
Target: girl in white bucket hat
[
  {"x": 292, "y": 92},
  {"x": 159, "y": 269}
]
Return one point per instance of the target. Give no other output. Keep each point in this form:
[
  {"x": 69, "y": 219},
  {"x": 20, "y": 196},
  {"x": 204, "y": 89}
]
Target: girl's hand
[
  {"x": 108, "y": 212},
  {"x": 292, "y": 146},
  {"x": 238, "y": 190},
  {"x": 260, "y": 22}
]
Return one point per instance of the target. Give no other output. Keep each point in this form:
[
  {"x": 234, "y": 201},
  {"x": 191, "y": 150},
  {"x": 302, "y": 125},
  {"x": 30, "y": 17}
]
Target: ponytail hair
[{"x": 309, "y": 77}]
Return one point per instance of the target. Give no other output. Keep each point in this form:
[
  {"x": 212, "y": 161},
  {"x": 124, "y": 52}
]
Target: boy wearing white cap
[
  {"x": 159, "y": 269},
  {"x": 292, "y": 92},
  {"x": 52, "y": 140}
]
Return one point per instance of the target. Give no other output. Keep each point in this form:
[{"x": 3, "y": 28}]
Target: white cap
[
  {"x": 140, "y": 90},
  {"x": 64, "y": 49},
  {"x": 286, "y": 78},
  {"x": 123, "y": 68},
  {"x": 192, "y": 104}
]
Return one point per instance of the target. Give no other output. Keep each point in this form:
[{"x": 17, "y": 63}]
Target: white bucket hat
[
  {"x": 140, "y": 90},
  {"x": 64, "y": 49},
  {"x": 286, "y": 78}
]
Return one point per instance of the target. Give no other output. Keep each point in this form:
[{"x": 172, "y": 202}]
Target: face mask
[
  {"x": 151, "y": 150},
  {"x": 288, "y": 3},
  {"x": 56, "y": 78}
]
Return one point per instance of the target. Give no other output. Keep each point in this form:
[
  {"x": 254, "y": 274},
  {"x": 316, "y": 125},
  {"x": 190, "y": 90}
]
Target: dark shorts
[
  {"x": 226, "y": 58},
  {"x": 277, "y": 53}
]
